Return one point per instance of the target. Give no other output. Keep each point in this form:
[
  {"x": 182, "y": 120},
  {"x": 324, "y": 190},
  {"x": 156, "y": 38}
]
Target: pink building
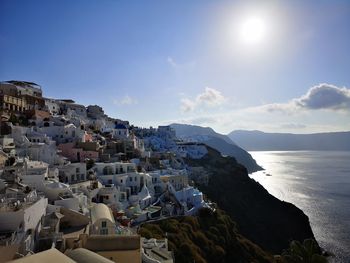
[
  {"x": 75, "y": 154},
  {"x": 88, "y": 137}
]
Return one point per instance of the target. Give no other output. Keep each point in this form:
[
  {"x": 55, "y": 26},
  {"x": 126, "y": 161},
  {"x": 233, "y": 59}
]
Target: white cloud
[
  {"x": 126, "y": 100},
  {"x": 323, "y": 96},
  {"x": 288, "y": 108},
  {"x": 187, "y": 105},
  {"x": 210, "y": 97}
]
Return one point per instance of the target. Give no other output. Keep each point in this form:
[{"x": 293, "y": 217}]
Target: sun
[{"x": 252, "y": 30}]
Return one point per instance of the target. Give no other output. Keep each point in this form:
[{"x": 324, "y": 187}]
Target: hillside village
[{"x": 76, "y": 184}]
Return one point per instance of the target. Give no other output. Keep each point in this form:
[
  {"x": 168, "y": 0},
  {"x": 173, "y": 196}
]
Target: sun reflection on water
[{"x": 319, "y": 184}]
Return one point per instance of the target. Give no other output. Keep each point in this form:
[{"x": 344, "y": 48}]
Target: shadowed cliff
[{"x": 262, "y": 218}]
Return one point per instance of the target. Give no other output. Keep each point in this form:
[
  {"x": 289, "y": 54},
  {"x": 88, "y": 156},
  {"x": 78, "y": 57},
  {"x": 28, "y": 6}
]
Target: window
[
  {"x": 104, "y": 231},
  {"x": 104, "y": 224},
  {"x": 107, "y": 170},
  {"x": 130, "y": 179}
]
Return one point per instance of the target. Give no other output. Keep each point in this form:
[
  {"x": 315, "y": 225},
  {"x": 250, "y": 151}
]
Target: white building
[
  {"x": 35, "y": 145},
  {"x": 144, "y": 197},
  {"x": 102, "y": 220},
  {"x": 77, "y": 202},
  {"x": 35, "y": 174},
  {"x": 191, "y": 150},
  {"x": 120, "y": 131},
  {"x": 7, "y": 144},
  {"x": 64, "y": 134},
  {"x": 72, "y": 173},
  {"x": 19, "y": 211},
  {"x": 52, "y": 106},
  {"x": 122, "y": 175},
  {"x": 44, "y": 152},
  {"x": 109, "y": 194},
  {"x": 20, "y": 217},
  {"x": 106, "y": 171}
]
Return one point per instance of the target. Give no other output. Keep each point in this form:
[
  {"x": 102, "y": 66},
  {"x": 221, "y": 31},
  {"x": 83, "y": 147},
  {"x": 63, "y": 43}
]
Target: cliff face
[{"x": 261, "y": 217}]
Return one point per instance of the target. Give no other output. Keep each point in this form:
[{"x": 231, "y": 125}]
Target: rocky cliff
[{"x": 262, "y": 218}]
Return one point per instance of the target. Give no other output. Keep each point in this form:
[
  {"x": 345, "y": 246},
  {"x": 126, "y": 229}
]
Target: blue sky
[{"x": 157, "y": 62}]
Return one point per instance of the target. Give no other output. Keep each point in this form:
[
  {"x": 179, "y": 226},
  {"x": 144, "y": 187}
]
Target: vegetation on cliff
[
  {"x": 208, "y": 237},
  {"x": 306, "y": 252}
]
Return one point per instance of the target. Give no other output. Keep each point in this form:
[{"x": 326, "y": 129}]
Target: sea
[{"x": 318, "y": 182}]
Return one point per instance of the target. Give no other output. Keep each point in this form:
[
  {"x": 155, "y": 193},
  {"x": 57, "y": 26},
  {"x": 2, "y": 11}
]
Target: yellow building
[
  {"x": 99, "y": 236},
  {"x": 177, "y": 181}
]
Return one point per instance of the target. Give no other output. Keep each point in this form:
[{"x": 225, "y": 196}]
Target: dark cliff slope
[
  {"x": 261, "y": 217},
  {"x": 208, "y": 237}
]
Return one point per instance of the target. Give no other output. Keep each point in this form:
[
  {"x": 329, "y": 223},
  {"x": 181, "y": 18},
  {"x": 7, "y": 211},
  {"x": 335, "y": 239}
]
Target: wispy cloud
[
  {"x": 293, "y": 126},
  {"x": 181, "y": 66},
  {"x": 187, "y": 105},
  {"x": 126, "y": 100},
  {"x": 209, "y": 97},
  {"x": 172, "y": 62}
]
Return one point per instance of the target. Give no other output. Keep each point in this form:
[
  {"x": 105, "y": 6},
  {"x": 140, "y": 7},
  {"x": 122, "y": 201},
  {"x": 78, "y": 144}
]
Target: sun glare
[{"x": 252, "y": 30}]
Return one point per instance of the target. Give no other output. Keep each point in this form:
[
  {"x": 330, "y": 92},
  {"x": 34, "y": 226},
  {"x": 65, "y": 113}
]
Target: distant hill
[
  {"x": 261, "y": 141},
  {"x": 220, "y": 142}
]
